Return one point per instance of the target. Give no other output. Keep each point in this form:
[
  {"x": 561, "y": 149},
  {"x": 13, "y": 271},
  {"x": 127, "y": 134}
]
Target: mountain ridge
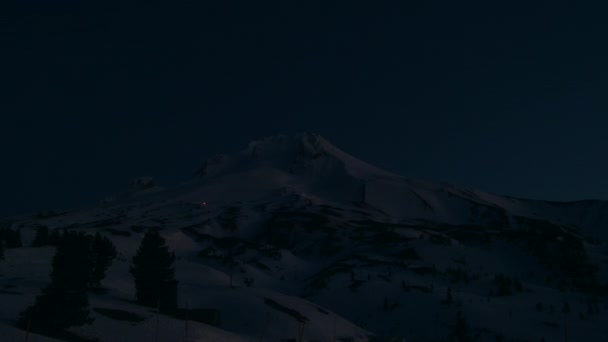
[
  {"x": 309, "y": 164},
  {"x": 316, "y": 233}
]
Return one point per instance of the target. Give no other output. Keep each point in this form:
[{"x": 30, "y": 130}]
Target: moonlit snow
[{"x": 329, "y": 246}]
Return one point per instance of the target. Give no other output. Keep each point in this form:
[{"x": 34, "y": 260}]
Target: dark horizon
[{"x": 508, "y": 100}]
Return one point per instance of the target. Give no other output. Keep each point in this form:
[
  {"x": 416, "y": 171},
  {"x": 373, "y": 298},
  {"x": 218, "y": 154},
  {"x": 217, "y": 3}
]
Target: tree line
[
  {"x": 9, "y": 238},
  {"x": 80, "y": 264}
]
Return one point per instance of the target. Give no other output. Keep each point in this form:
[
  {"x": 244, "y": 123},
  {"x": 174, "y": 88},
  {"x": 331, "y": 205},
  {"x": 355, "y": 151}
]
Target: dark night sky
[{"x": 510, "y": 100}]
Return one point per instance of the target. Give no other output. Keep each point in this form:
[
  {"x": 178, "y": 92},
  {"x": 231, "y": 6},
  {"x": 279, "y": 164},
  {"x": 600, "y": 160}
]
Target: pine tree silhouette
[
  {"x": 449, "y": 298},
  {"x": 102, "y": 253},
  {"x": 42, "y": 237},
  {"x": 16, "y": 239},
  {"x": 64, "y": 302},
  {"x": 12, "y": 237},
  {"x": 154, "y": 274},
  {"x": 460, "y": 330},
  {"x": 55, "y": 237}
]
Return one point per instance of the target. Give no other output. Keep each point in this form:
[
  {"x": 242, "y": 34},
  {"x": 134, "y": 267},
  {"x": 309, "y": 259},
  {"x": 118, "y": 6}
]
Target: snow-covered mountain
[{"x": 356, "y": 250}]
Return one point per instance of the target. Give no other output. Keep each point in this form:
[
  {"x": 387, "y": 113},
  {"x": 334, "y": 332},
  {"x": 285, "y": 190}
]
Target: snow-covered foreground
[{"x": 330, "y": 248}]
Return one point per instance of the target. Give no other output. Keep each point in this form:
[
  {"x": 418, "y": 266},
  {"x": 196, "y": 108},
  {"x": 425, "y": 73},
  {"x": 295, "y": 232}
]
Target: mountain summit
[
  {"x": 301, "y": 234},
  {"x": 300, "y": 153},
  {"x": 309, "y": 165}
]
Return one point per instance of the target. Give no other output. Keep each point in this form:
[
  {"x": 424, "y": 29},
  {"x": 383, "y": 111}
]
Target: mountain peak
[
  {"x": 301, "y": 151},
  {"x": 299, "y": 143}
]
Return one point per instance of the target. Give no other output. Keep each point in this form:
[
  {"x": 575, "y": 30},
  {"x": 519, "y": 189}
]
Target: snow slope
[{"x": 355, "y": 250}]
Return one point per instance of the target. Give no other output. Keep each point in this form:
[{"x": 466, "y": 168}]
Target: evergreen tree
[
  {"x": 504, "y": 285},
  {"x": 449, "y": 298},
  {"x": 460, "y": 330},
  {"x": 16, "y": 239},
  {"x": 539, "y": 306},
  {"x": 42, "y": 237},
  {"x": 1, "y": 249},
  {"x": 102, "y": 252},
  {"x": 154, "y": 274},
  {"x": 55, "y": 237},
  {"x": 566, "y": 309},
  {"x": 12, "y": 237},
  {"x": 517, "y": 285},
  {"x": 64, "y": 302}
]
